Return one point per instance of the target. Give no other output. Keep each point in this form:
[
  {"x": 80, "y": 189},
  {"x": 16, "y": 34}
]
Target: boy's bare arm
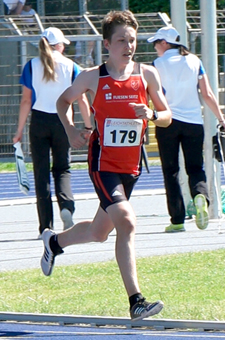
[
  {"x": 75, "y": 92},
  {"x": 158, "y": 99},
  {"x": 154, "y": 87}
]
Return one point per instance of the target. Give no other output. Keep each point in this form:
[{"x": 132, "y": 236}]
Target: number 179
[{"x": 124, "y": 136}]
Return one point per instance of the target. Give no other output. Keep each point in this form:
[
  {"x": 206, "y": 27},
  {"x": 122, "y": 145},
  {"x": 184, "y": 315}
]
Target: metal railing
[{"x": 19, "y": 41}]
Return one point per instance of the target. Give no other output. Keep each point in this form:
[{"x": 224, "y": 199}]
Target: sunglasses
[{"x": 158, "y": 41}]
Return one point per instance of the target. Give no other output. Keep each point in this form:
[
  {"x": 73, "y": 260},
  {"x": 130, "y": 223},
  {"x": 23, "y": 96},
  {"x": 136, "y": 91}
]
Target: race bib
[{"x": 122, "y": 132}]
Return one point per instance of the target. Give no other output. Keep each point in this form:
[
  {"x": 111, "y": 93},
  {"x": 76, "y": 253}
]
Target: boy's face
[
  {"x": 27, "y": 8},
  {"x": 123, "y": 43}
]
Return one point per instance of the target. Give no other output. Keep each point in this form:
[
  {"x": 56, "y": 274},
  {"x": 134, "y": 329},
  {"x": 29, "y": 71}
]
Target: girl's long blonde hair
[{"x": 46, "y": 56}]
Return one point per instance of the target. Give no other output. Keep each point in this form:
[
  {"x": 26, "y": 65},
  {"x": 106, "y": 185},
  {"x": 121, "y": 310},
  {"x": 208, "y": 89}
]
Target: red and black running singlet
[{"x": 115, "y": 145}]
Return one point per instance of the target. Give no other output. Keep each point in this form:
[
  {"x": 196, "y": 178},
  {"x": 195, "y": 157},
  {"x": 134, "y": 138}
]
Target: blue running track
[
  {"x": 81, "y": 183},
  {"x": 55, "y": 332},
  {"x": 80, "y": 180}
]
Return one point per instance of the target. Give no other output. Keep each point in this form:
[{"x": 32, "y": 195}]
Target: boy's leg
[
  {"x": 122, "y": 216},
  {"x": 88, "y": 231},
  {"x": 124, "y": 219},
  {"x": 82, "y": 232}
]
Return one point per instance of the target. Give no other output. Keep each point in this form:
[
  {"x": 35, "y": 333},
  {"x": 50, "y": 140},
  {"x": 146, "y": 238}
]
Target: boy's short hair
[{"x": 116, "y": 18}]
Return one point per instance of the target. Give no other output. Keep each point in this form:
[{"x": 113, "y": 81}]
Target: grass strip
[
  {"x": 191, "y": 285},
  {"x": 11, "y": 167}
]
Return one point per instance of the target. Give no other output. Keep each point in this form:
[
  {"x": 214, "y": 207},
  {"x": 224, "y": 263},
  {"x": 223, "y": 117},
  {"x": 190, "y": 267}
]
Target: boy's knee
[
  {"x": 128, "y": 225},
  {"x": 99, "y": 237}
]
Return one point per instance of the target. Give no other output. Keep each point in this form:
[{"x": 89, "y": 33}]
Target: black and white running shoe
[
  {"x": 48, "y": 258},
  {"x": 143, "y": 309}
]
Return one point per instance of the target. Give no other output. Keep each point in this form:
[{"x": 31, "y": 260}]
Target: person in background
[
  {"x": 44, "y": 79},
  {"x": 78, "y": 53},
  {"x": 13, "y": 7},
  {"x": 182, "y": 74},
  {"x": 84, "y": 49},
  {"x": 29, "y": 11},
  {"x": 120, "y": 90},
  {"x": 89, "y": 59}
]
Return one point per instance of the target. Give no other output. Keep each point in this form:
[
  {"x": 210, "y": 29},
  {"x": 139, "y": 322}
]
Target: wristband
[{"x": 88, "y": 128}]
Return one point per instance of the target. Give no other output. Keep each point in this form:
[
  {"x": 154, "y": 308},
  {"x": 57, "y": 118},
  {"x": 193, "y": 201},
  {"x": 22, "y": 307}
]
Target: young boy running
[{"x": 120, "y": 90}]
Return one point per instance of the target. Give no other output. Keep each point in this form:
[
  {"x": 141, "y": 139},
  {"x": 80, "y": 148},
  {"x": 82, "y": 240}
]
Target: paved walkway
[{"x": 20, "y": 248}]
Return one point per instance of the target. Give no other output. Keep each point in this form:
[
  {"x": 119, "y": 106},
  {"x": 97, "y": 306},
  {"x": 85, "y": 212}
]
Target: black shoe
[{"x": 142, "y": 309}]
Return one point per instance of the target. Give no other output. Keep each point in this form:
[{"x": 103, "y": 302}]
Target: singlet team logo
[
  {"x": 134, "y": 84},
  {"x": 106, "y": 87},
  {"x": 108, "y": 96}
]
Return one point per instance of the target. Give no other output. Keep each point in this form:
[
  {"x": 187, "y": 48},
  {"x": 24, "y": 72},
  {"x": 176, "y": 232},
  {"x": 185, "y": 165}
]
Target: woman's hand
[{"x": 17, "y": 137}]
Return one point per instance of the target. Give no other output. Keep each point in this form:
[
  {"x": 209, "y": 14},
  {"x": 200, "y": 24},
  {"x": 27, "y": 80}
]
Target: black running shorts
[{"x": 112, "y": 187}]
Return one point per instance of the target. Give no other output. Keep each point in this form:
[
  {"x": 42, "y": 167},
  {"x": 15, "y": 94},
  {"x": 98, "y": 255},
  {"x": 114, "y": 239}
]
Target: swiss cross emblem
[{"x": 135, "y": 84}]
